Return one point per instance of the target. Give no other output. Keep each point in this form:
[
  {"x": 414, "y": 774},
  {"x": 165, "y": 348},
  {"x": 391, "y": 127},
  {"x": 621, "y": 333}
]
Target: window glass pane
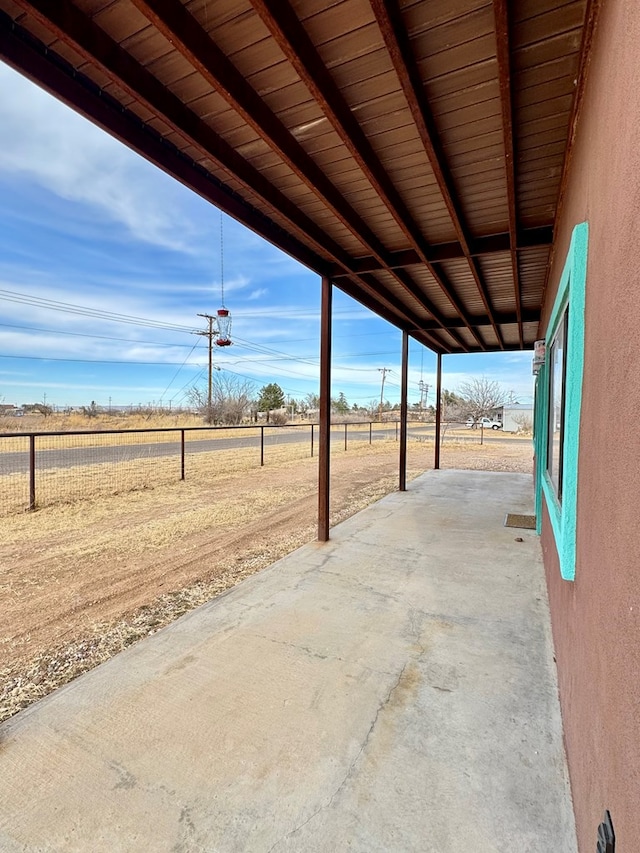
[{"x": 557, "y": 360}]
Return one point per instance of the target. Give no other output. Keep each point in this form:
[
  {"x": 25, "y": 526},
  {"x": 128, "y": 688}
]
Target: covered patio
[
  {"x": 392, "y": 689},
  {"x": 413, "y": 154}
]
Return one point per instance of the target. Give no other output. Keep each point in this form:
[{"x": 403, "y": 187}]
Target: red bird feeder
[{"x": 224, "y": 328}]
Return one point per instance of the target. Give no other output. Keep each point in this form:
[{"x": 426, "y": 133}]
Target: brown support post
[
  {"x": 436, "y": 463},
  {"x": 403, "y": 412},
  {"x": 325, "y": 411},
  {"x": 32, "y": 472}
]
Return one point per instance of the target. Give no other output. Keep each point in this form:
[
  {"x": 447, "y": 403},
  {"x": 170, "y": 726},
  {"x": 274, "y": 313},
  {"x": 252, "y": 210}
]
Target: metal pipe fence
[{"x": 47, "y": 468}]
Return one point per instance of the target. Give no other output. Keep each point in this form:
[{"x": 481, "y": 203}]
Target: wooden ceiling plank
[
  {"x": 185, "y": 33},
  {"x": 90, "y": 40},
  {"x": 396, "y": 38},
  {"x": 292, "y": 38},
  {"x": 491, "y": 244},
  {"x": 402, "y": 317},
  {"x": 501, "y": 19},
  {"x": 19, "y": 49},
  {"x": 95, "y": 45},
  {"x": 178, "y": 26}
]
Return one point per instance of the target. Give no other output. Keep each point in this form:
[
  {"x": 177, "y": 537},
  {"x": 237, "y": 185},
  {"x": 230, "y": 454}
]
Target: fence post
[
  {"x": 32, "y": 472},
  {"x": 396, "y": 430},
  {"x": 481, "y": 433},
  {"x": 312, "y": 425},
  {"x": 345, "y": 436},
  {"x": 261, "y": 446},
  {"x": 370, "y": 426},
  {"x": 182, "y": 454}
]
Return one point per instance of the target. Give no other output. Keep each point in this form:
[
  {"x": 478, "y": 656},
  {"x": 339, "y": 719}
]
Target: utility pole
[
  {"x": 209, "y": 333},
  {"x": 383, "y": 371}
]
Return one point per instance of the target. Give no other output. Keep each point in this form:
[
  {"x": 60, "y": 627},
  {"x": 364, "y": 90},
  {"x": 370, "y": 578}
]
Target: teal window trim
[{"x": 563, "y": 515}]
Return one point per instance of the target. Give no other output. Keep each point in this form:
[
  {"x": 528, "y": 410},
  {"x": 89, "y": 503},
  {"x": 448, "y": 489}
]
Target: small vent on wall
[{"x": 606, "y": 836}]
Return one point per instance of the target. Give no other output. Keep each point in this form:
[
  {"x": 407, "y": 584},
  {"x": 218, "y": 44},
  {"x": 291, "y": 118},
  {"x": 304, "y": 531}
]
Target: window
[
  {"x": 557, "y": 379},
  {"x": 558, "y": 405}
]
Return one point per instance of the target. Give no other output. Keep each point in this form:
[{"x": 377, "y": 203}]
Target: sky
[{"x": 106, "y": 262}]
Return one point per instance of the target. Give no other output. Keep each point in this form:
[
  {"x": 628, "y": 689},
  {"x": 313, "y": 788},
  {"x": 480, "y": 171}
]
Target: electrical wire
[
  {"x": 92, "y": 360},
  {"x": 71, "y": 308},
  {"x": 87, "y": 335},
  {"x": 180, "y": 368}
]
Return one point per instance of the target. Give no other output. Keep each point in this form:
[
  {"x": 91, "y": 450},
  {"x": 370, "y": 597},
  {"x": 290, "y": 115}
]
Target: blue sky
[{"x": 89, "y": 230}]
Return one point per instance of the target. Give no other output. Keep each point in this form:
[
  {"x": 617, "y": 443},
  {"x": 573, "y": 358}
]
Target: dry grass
[
  {"x": 76, "y": 431},
  {"x": 44, "y": 554},
  {"x": 84, "y": 482},
  {"x": 122, "y": 475}
]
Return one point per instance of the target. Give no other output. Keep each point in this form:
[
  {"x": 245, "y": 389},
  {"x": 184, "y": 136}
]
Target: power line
[
  {"x": 91, "y": 360},
  {"x": 179, "y": 369},
  {"x": 87, "y": 335},
  {"x": 99, "y": 313}
]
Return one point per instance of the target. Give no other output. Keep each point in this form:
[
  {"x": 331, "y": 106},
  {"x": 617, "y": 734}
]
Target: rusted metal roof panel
[{"x": 403, "y": 146}]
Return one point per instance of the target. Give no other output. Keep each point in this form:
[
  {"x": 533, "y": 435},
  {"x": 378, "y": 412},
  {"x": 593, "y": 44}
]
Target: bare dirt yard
[{"x": 81, "y": 581}]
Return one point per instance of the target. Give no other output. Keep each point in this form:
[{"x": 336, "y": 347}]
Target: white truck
[{"x": 487, "y": 423}]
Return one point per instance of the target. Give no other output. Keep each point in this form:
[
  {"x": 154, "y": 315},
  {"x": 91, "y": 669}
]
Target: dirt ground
[{"x": 80, "y": 582}]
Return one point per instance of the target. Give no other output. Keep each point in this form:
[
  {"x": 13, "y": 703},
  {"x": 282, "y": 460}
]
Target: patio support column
[
  {"x": 325, "y": 411},
  {"x": 436, "y": 462},
  {"x": 403, "y": 413}
]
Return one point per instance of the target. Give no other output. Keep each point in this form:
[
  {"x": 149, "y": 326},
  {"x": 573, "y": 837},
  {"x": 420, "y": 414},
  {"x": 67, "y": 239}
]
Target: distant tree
[
  {"x": 271, "y": 397},
  {"x": 279, "y": 418},
  {"x": 230, "y": 399},
  {"x": 311, "y": 401},
  {"x": 523, "y": 421},
  {"x": 91, "y": 411},
  {"x": 340, "y": 405},
  {"x": 480, "y": 397},
  {"x": 373, "y": 408},
  {"x": 452, "y": 410},
  {"x": 41, "y": 408}
]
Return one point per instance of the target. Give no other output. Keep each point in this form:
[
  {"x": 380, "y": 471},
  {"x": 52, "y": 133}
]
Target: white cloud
[
  {"x": 48, "y": 143},
  {"x": 256, "y": 294}
]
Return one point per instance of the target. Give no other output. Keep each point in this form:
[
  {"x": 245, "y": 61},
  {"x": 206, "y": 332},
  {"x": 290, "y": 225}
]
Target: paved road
[{"x": 70, "y": 457}]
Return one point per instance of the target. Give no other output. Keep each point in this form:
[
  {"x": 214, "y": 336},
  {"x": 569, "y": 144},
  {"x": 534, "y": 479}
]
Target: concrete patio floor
[{"x": 391, "y": 690}]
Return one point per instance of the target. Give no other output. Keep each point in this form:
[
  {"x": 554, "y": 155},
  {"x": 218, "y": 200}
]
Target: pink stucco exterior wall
[{"x": 596, "y": 619}]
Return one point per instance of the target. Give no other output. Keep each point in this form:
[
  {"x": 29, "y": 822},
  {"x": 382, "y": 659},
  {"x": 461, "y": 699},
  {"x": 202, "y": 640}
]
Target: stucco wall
[{"x": 596, "y": 619}]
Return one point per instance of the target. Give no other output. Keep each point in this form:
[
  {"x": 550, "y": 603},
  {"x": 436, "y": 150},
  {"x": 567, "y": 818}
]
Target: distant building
[{"x": 517, "y": 418}]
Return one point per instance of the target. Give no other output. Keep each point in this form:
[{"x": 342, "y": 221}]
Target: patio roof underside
[{"x": 411, "y": 150}]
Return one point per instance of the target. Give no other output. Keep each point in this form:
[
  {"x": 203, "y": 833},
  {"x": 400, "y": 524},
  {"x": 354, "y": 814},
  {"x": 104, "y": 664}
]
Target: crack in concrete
[
  {"x": 315, "y": 654},
  {"x": 353, "y": 763},
  {"x": 354, "y": 582}
]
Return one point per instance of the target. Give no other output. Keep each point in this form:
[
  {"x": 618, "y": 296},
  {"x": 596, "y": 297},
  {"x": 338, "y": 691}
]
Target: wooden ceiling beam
[
  {"x": 33, "y": 59},
  {"x": 501, "y": 18},
  {"x": 396, "y": 39},
  {"x": 293, "y": 40},
  {"x": 184, "y": 32},
  {"x": 69, "y": 25},
  {"x": 510, "y": 318},
  {"x": 77, "y": 31},
  {"x": 186, "y": 35},
  {"x": 493, "y": 244},
  {"x": 370, "y": 296}
]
